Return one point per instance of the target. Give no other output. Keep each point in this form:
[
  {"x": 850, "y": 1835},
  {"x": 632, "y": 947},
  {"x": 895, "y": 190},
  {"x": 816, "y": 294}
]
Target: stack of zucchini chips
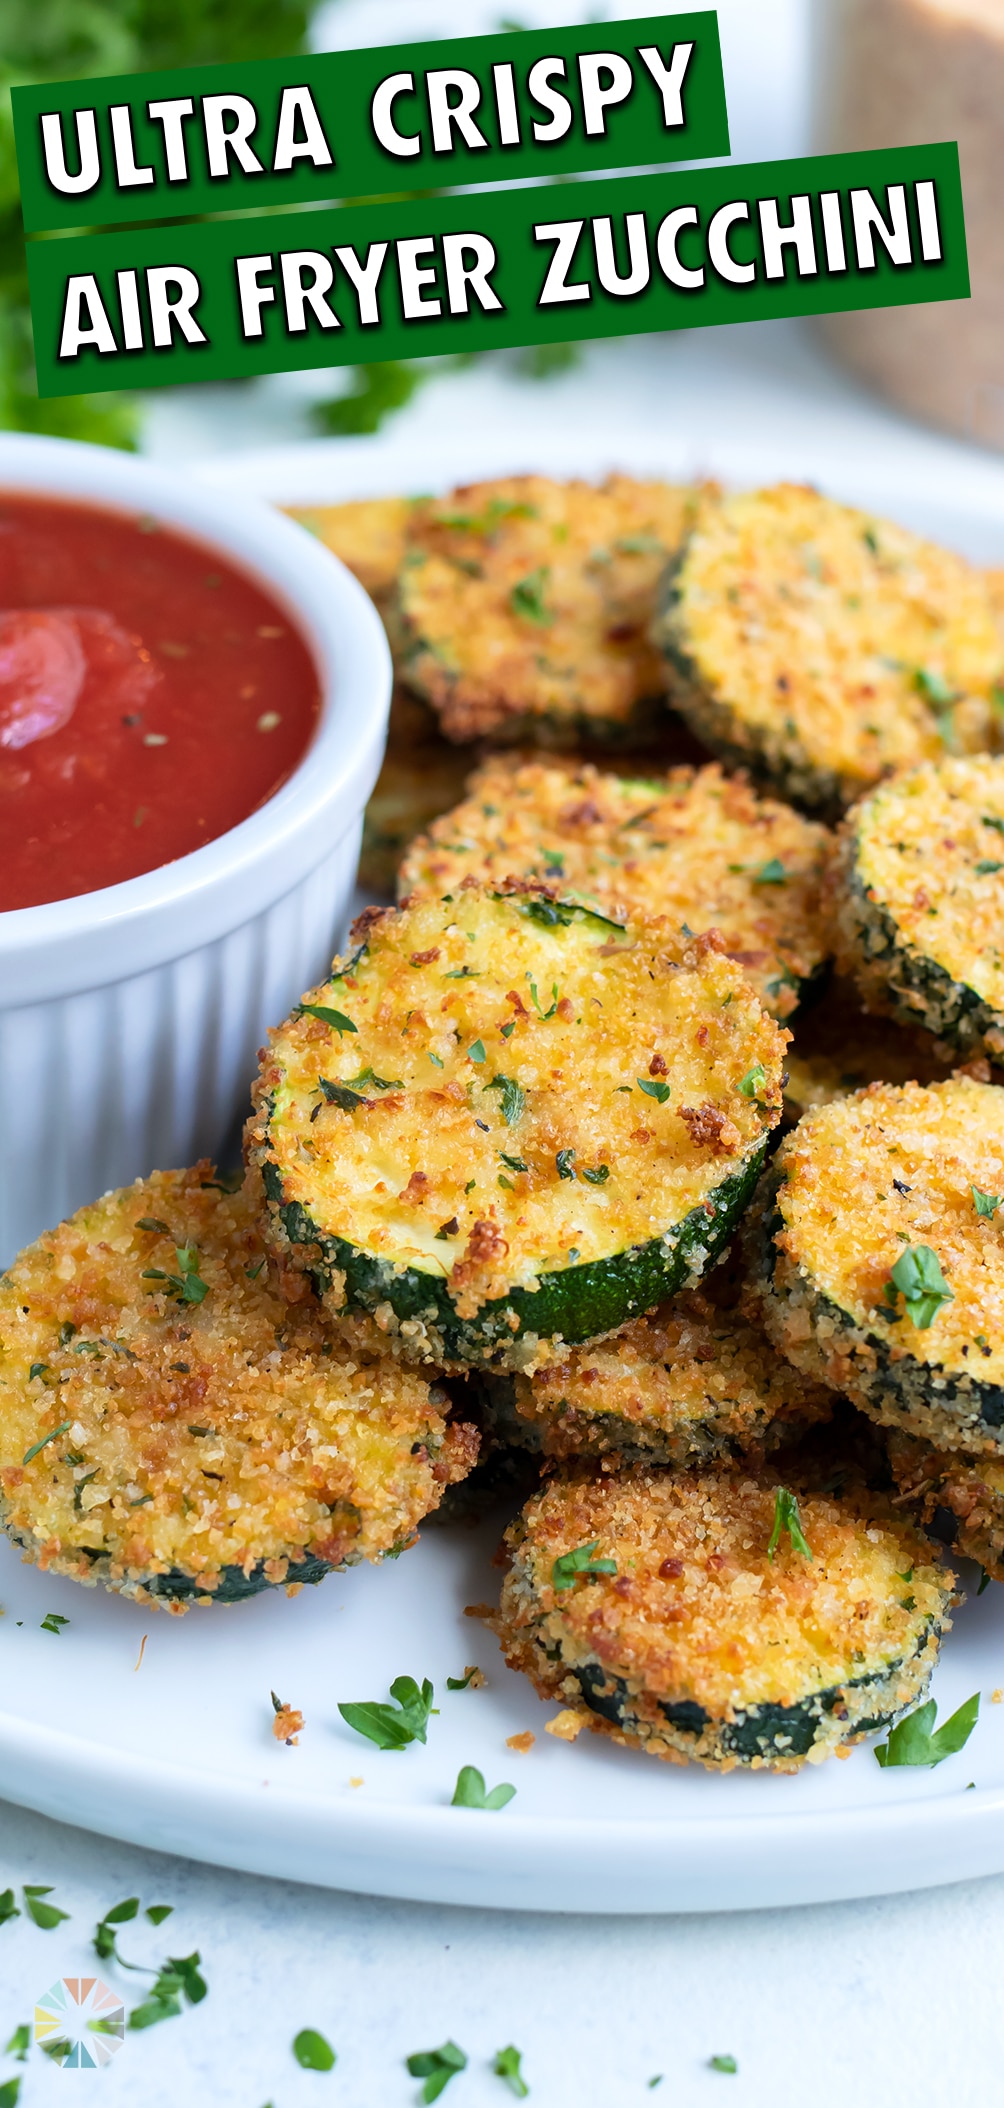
[{"x": 643, "y": 1163}]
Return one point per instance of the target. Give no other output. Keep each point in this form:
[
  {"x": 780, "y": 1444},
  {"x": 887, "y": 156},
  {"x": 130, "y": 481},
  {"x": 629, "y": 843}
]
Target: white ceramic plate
[{"x": 178, "y": 1753}]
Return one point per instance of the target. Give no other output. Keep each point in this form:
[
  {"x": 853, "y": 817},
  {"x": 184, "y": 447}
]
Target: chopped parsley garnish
[
  {"x": 985, "y": 1580},
  {"x": 553, "y": 914},
  {"x": 985, "y": 1204},
  {"x": 545, "y": 1014},
  {"x": 436, "y": 1063},
  {"x": 460, "y": 1683},
  {"x": 448, "y": 1229},
  {"x": 476, "y": 1052},
  {"x": 19, "y": 2045},
  {"x": 990, "y": 820},
  {"x": 772, "y": 873},
  {"x": 932, "y": 686},
  {"x": 379, "y": 1083},
  {"x": 787, "y": 1517},
  {"x": 513, "y": 1097},
  {"x": 659, "y": 1091},
  {"x": 178, "y": 1977},
  {"x": 157, "y": 1912},
  {"x": 918, "y": 1277},
  {"x": 10, "y": 2090},
  {"x": 723, "y": 2064},
  {"x": 394, "y": 1726},
  {"x": 463, "y": 973},
  {"x": 313, "y": 2051},
  {"x": 509, "y": 1029},
  {"x": 564, "y": 1163},
  {"x": 469, "y": 1791},
  {"x": 340, "y": 1094},
  {"x": 187, "y": 1285},
  {"x": 335, "y": 1018},
  {"x": 105, "y": 1931},
  {"x": 66, "y": 1333},
  {"x": 38, "y": 1368},
  {"x": 52, "y": 1622},
  {"x": 507, "y": 2066},
  {"x": 8, "y": 1907},
  {"x": 753, "y": 1082},
  {"x": 44, "y": 1915},
  {"x": 555, "y": 861},
  {"x": 566, "y": 1570},
  {"x": 471, "y": 1183},
  {"x": 916, "y": 1740},
  {"x": 154, "y": 1225},
  {"x": 62, "y": 1429},
  {"x": 515, "y": 1163},
  {"x": 598, "y": 1175},
  {"x": 986, "y": 867},
  {"x": 437, "y": 2067},
  {"x": 527, "y": 596}
]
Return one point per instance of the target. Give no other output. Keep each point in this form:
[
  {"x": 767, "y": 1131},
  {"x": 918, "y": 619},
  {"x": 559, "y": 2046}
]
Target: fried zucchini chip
[
  {"x": 822, "y": 647},
  {"x": 696, "y": 846},
  {"x": 422, "y": 776},
  {"x": 369, "y": 535},
  {"x": 960, "y": 1502},
  {"x": 508, "y": 1119},
  {"x": 919, "y": 901},
  {"x": 172, "y": 1428},
  {"x": 673, "y": 1612},
  {"x": 523, "y": 607},
  {"x": 682, "y": 1386},
  {"x": 878, "y": 1260}
]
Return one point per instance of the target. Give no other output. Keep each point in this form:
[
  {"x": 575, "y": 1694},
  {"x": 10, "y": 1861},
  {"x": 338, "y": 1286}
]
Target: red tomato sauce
[{"x": 151, "y": 697}]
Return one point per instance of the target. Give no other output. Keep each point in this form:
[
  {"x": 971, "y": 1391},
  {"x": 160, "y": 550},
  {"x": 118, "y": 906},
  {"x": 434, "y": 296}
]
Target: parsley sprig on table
[
  {"x": 470, "y": 1792},
  {"x": 313, "y": 2051},
  {"x": 916, "y": 1740},
  {"x": 507, "y": 2066},
  {"x": 437, "y": 2067},
  {"x": 394, "y": 1726}
]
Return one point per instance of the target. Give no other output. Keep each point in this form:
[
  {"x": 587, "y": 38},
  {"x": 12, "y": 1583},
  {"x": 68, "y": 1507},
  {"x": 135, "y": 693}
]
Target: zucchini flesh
[{"x": 508, "y": 1119}]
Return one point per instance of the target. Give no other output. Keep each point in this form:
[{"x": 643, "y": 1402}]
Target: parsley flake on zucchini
[{"x": 611, "y": 1211}]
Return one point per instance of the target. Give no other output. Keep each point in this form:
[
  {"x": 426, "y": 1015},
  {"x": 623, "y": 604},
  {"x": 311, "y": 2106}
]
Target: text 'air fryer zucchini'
[
  {"x": 687, "y": 1384},
  {"x": 920, "y": 901},
  {"x": 668, "y": 1610},
  {"x": 523, "y": 606},
  {"x": 171, "y": 1428},
  {"x": 508, "y": 1120},
  {"x": 878, "y": 1248},
  {"x": 695, "y": 846},
  {"x": 823, "y": 647}
]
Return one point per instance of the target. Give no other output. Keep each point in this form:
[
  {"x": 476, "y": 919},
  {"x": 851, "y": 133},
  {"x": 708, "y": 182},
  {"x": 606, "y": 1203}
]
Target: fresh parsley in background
[{"x": 917, "y": 1741}]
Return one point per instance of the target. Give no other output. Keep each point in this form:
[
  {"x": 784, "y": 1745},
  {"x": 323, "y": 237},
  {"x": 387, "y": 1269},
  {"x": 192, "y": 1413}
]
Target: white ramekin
[{"x": 130, "y": 1018}]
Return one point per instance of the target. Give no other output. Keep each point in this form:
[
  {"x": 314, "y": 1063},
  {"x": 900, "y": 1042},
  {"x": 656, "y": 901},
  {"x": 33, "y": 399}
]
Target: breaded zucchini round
[
  {"x": 695, "y": 846},
  {"x": 877, "y": 1253},
  {"x": 422, "y": 775},
  {"x": 919, "y": 899},
  {"x": 684, "y": 1385},
  {"x": 523, "y": 606},
  {"x": 369, "y": 535},
  {"x": 838, "y": 1048},
  {"x": 649, "y": 1603},
  {"x": 170, "y": 1427},
  {"x": 823, "y": 647},
  {"x": 960, "y": 1502},
  {"x": 508, "y": 1120}
]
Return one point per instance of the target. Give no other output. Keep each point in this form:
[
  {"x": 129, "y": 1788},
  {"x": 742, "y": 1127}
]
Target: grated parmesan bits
[
  {"x": 695, "y": 846},
  {"x": 877, "y": 1256},
  {"x": 689, "y": 1641},
  {"x": 823, "y": 647},
  {"x": 171, "y": 1428}
]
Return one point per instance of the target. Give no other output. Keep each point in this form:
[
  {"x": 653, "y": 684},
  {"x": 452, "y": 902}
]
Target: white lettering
[
  {"x": 775, "y": 238},
  {"x": 868, "y": 222},
  {"x": 127, "y": 175},
  {"x": 298, "y": 296},
  {"x": 927, "y": 214},
  {"x": 382, "y": 115},
  {"x": 539, "y": 81},
  {"x": 565, "y": 235},
  {"x": 223, "y": 140},
  {"x": 665, "y": 248},
  {"x": 299, "y": 103},
  {"x": 833, "y": 230},
  {"x": 505, "y": 103},
  {"x": 446, "y": 115},
  {"x": 718, "y": 245},
  {"x": 253, "y": 296},
  {"x": 596, "y": 100},
  {"x": 129, "y": 309},
  {"x": 165, "y": 312},
  {"x": 87, "y": 155},
  {"x": 415, "y": 304},
  {"x": 669, "y": 80},
  {"x": 84, "y": 300},
  {"x": 365, "y": 277},
  {"x": 170, "y": 116},
  {"x": 460, "y": 275},
  {"x": 639, "y": 267}
]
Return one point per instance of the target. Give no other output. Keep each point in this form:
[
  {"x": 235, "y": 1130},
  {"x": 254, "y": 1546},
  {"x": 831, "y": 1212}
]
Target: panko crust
[
  {"x": 369, "y": 535},
  {"x": 700, "y": 1646},
  {"x": 695, "y": 846},
  {"x": 823, "y": 647},
  {"x": 960, "y": 1502},
  {"x": 210, "y": 1447},
  {"x": 854, "y": 1186},
  {"x": 524, "y": 604},
  {"x": 525, "y": 1136},
  {"x": 682, "y": 1386},
  {"x": 918, "y": 901}
]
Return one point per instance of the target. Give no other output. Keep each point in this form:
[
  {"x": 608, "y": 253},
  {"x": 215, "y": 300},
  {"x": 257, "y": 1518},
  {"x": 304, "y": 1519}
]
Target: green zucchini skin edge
[
  {"x": 902, "y": 1390},
  {"x": 921, "y": 992},
  {"x": 579, "y": 1303}
]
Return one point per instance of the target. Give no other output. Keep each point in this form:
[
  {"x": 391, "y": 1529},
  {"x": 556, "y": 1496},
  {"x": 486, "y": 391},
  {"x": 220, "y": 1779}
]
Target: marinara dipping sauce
[{"x": 151, "y": 697}]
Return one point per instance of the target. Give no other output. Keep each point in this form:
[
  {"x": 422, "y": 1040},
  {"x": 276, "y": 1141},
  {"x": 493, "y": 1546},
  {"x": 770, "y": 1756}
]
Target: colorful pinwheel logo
[{"x": 80, "y": 2023}]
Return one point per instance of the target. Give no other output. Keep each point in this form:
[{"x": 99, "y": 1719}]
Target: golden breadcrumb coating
[
  {"x": 961, "y": 1500},
  {"x": 368, "y": 534}
]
